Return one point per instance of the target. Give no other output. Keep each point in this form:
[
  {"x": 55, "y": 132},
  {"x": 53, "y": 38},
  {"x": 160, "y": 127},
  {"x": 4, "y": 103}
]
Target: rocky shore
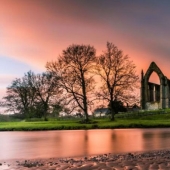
[{"x": 155, "y": 160}]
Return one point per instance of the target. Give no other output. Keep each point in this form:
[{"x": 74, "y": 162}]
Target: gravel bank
[{"x": 155, "y": 160}]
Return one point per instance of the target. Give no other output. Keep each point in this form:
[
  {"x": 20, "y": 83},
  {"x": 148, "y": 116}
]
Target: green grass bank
[{"x": 152, "y": 119}]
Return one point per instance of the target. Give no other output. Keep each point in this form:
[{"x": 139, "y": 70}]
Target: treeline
[
  {"x": 75, "y": 81},
  {"x": 33, "y": 95}
]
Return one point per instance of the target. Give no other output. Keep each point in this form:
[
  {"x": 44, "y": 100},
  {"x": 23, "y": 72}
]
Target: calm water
[{"x": 46, "y": 144}]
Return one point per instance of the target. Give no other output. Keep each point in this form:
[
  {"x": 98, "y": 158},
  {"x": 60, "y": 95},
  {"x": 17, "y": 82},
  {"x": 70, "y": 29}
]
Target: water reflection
[
  {"x": 43, "y": 144},
  {"x": 160, "y": 139}
]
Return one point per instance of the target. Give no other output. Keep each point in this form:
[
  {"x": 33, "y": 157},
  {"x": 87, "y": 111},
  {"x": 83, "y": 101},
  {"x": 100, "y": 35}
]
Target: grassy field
[{"x": 152, "y": 119}]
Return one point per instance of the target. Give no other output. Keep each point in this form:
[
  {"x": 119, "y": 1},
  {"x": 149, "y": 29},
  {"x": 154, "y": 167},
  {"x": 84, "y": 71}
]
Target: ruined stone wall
[
  {"x": 152, "y": 105},
  {"x": 154, "y": 96}
]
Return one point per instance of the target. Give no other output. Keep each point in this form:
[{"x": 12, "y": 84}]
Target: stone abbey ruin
[{"x": 154, "y": 96}]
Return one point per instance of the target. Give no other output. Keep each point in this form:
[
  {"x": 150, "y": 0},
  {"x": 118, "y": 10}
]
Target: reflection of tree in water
[
  {"x": 148, "y": 141},
  {"x": 86, "y": 136},
  {"x": 116, "y": 141},
  {"x": 148, "y": 135},
  {"x": 126, "y": 140},
  {"x": 113, "y": 136},
  {"x": 86, "y": 146}
]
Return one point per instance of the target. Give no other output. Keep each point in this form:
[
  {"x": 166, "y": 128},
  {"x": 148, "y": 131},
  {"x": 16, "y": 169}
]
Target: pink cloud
[{"x": 35, "y": 32}]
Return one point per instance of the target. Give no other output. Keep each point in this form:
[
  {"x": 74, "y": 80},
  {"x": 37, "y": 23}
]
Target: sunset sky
[{"x": 33, "y": 32}]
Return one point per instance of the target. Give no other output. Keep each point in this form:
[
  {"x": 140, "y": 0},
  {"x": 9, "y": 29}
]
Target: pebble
[{"x": 131, "y": 161}]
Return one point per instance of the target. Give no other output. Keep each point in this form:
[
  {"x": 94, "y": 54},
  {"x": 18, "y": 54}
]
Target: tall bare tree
[
  {"x": 118, "y": 76},
  {"x": 75, "y": 66}
]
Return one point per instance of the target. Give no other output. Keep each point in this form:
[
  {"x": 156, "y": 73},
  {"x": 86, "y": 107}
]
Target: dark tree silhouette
[
  {"x": 75, "y": 66},
  {"x": 48, "y": 92},
  {"x": 20, "y": 95},
  {"x": 117, "y": 106},
  {"x": 32, "y": 95},
  {"x": 118, "y": 76}
]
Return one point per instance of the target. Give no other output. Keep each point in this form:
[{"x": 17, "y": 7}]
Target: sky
[{"x": 33, "y": 32}]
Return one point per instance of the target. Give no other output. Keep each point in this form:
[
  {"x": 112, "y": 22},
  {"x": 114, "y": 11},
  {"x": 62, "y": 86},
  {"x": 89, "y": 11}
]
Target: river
[{"x": 69, "y": 143}]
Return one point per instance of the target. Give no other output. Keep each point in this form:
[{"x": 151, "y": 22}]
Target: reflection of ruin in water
[{"x": 154, "y": 96}]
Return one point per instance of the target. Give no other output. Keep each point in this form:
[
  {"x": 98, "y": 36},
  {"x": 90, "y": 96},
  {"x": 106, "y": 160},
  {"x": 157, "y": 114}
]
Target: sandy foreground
[{"x": 155, "y": 160}]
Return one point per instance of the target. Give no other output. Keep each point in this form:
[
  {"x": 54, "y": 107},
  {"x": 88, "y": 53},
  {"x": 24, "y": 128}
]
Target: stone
[{"x": 154, "y": 96}]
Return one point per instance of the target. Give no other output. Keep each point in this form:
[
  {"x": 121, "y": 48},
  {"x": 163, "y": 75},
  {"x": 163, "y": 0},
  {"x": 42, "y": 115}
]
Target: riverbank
[
  {"x": 125, "y": 120},
  {"x": 152, "y": 160}
]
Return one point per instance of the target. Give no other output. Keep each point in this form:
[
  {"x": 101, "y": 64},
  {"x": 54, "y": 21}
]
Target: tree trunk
[
  {"x": 45, "y": 111},
  {"x": 86, "y": 113},
  {"x": 112, "y": 113},
  {"x": 111, "y": 106},
  {"x": 84, "y": 98}
]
